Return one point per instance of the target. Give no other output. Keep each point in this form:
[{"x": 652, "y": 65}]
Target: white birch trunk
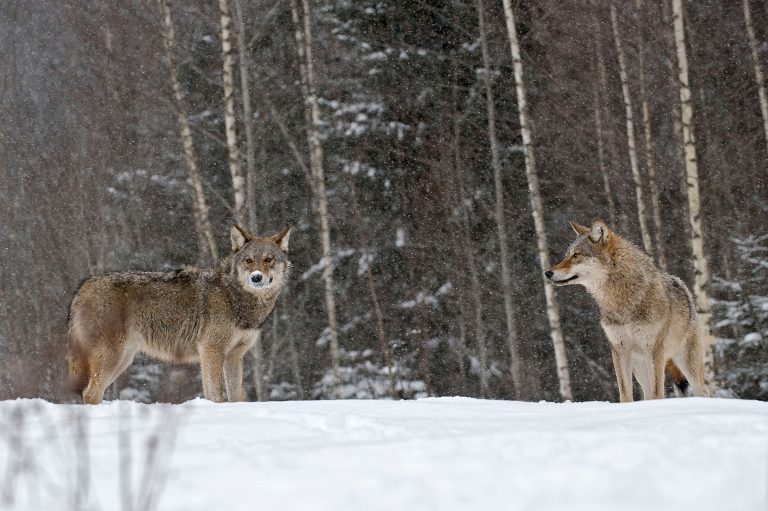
[
  {"x": 245, "y": 90},
  {"x": 250, "y": 157},
  {"x": 647, "y": 245},
  {"x": 303, "y": 35},
  {"x": 650, "y": 160},
  {"x": 759, "y": 77},
  {"x": 669, "y": 40},
  {"x": 513, "y": 342},
  {"x": 700, "y": 265},
  {"x": 537, "y": 209},
  {"x": 228, "y": 72},
  {"x": 205, "y": 240}
]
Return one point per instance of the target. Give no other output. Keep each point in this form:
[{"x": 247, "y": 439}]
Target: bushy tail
[
  {"x": 678, "y": 379},
  {"x": 78, "y": 366}
]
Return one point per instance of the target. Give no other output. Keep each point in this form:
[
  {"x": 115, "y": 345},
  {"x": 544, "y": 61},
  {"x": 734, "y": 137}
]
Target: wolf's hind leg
[
  {"x": 690, "y": 360},
  {"x": 211, "y": 365},
  {"x": 233, "y": 373},
  {"x": 105, "y": 367}
]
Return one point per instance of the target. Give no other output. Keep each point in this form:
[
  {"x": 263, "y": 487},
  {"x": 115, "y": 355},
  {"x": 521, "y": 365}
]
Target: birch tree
[
  {"x": 303, "y": 35},
  {"x": 205, "y": 241},
  {"x": 245, "y": 91},
  {"x": 650, "y": 160},
  {"x": 537, "y": 208},
  {"x": 631, "y": 147},
  {"x": 228, "y": 77},
  {"x": 700, "y": 265},
  {"x": 506, "y": 279},
  {"x": 759, "y": 77}
]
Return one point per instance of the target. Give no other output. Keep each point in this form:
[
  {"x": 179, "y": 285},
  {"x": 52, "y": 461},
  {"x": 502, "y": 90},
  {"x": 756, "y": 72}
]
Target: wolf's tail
[
  {"x": 78, "y": 366},
  {"x": 678, "y": 379}
]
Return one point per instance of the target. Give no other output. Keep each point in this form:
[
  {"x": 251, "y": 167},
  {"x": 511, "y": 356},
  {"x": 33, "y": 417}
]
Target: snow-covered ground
[{"x": 430, "y": 454}]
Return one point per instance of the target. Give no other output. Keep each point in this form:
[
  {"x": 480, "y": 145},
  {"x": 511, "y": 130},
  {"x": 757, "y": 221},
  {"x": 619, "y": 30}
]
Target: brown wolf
[
  {"x": 648, "y": 316},
  {"x": 183, "y": 316}
]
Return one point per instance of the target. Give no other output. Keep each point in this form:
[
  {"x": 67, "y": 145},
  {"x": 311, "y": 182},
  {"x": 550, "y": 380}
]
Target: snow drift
[{"x": 430, "y": 454}]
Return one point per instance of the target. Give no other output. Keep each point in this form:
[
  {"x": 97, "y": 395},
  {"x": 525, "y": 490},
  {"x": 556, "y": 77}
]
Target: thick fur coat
[{"x": 210, "y": 316}]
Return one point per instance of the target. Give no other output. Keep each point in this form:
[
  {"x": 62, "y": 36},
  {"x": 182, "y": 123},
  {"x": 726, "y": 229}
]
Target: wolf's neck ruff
[
  {"x": 625, "y": 287},
  {"x": 251, "y": 309}
]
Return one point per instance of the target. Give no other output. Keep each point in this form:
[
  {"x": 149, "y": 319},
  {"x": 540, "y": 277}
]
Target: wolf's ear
[
  {"x": 239, "y": 237},
  {"x": 599, "y": 232},
  {"x": 281, "y": 238},
  {"x": 579, "y": 229}
]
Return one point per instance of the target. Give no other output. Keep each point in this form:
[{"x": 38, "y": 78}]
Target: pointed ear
[
  {"x": 599, "y": 232},
  {"x": 281, "y": 238},
  {"x": 239, "y": 237},
  {"x": 579, "y": 229}
]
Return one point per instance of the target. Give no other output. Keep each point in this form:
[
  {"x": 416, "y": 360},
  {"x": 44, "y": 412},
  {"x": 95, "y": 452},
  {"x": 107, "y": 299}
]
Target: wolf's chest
[{"x": 633, "y": 335}]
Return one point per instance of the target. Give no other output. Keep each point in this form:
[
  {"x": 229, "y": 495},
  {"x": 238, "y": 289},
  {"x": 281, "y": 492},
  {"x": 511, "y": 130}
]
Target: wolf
[
  {"x": 648, "y": 316},
  {"x": 210, "y": 316}
]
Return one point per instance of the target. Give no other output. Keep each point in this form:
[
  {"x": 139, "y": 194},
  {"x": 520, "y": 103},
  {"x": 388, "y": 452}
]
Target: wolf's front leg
[
  {"x": 233, "y": 373},
  {"x": 211, "y": 364},
  {"x": 621, "y": 364}
]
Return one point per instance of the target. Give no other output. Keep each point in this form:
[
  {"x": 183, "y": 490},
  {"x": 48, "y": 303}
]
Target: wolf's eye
[
  {"x": 269, "y": 259},
  {"x": 249, "y": 260}
]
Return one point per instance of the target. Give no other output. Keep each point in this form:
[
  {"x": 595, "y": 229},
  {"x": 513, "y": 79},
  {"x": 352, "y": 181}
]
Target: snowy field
[{"x": 432, "y": 454}]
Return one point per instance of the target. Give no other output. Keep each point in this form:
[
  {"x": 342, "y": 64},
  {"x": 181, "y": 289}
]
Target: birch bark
[
  {"x": 513, "y": 340},
  {"x": 700, "y": 265},
  {"x": 303, "y": 36},
  {"x": 228, "y": 77},
  {"x": 245, "y": 90},
  {"x": 537, "y": 208},
  {"x": 205, "y": 241},
  {"x": 631, "y": 146}
]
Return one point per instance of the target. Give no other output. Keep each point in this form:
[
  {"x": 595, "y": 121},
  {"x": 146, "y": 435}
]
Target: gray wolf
[
  {"x": 648, "y": 316},
  {"x": 209, "y": 316}
]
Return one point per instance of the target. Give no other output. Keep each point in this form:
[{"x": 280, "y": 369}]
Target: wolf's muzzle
[{"x": 259, "y": 280}]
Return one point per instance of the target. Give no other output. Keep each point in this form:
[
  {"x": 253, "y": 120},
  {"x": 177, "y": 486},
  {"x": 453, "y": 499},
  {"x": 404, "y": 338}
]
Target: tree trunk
[
  {"x": 245, "y": 89},
  {"x": 650, "y": 160},
  {"x": 669, "y": 40},
  {"x": 759, "y": 77},
  {"x": 205, "y": 241},
  {"x": 381, "y": 333},
  {"x": 469, "y": 257},
  {"x": 630, "y": 132},
  {"x": 537, "y": 209},
  {"x": 700, "y": 265},
  {"x": 599, "y": 100},
  {"x": 513, "y": 341},
  {"x": 228, "y": 72},
  {"x": 303, "y": 35}
]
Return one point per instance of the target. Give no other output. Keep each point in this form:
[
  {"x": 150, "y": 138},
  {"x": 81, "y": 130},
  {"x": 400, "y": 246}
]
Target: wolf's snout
[
  {"x": 257, "y": 277},
  {"x": 549, "y": 274}
]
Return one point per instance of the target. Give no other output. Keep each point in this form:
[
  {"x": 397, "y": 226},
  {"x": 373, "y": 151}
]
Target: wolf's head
[
  {"x": 259, "y": 264},
  {"x": 588, "y": 258}
]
